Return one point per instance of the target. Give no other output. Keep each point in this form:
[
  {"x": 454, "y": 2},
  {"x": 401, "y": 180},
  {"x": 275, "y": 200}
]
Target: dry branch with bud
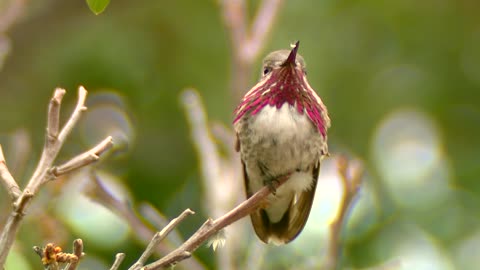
[{"x": 45, "y": 170}]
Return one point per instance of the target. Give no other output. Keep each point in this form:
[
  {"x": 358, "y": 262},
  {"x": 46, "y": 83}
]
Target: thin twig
[
  {"x": 118, "y": 260},
  {"x": 77, "y": 251},
  {"x": 53, "y": 124},
  {"x": 83, "y": 159},
  {"x": 351, "y": 183},
  {"x": 7, "y": 179},
  {"x": 72, "y": 121},
  {"x": 211, "y": 227},
  {"x": 158, "y": 220},
  {"x": 158, "y": 237},
  {"x": 39, "y": 251}
]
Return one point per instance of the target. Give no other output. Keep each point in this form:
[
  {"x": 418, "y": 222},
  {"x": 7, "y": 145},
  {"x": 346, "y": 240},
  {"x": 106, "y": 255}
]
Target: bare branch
[
  {"x": 158, "y": 237},
  {"x": 20, "y": 142},
  {"x": 234, "y": 16},
  {"x": 262, "y": 24},
  {"x": 207, "y": 151},
  {"x": 226, "y": 137},
  {"x": 11, "y": 13},
  {"x": 7, "y": 179},
  {"x": 351, "y": 177},
  {"x": 220, "y": 173},
  {"x": 52, "y": 148},
  {"x": 246, "y": 39},
  {"x": 118, "y": 260},
  {"x": 83, "y": 159},
  {"x": 53, "y": 144},
  {"x": 211, "y": 227}
]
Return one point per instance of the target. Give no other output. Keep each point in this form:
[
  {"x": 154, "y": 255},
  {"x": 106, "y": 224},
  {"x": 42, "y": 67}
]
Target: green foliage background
[{"x": 149, "y": 51}]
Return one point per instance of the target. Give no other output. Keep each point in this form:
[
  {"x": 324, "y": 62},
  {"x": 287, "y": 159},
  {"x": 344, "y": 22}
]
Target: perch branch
[
  {"x": 158, "y": 237},
  {"x": 7, "y": 179},
  {"x": 211, "y": 227},
  {"x": 118, "y": 260},
  {"x": 53, "y": 142},
  {"x": 351, "y": 184}
]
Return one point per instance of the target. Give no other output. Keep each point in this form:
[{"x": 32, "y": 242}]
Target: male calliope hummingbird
[{"x": 281, "y": 126}]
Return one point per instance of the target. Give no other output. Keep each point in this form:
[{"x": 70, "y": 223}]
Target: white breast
[{"x": 283, "y": 123}]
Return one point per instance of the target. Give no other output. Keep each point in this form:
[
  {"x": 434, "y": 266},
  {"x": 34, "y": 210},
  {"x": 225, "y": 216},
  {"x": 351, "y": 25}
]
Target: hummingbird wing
[
  {"x": 300, "y": 208},
  {"x": 294, "y": 219}
]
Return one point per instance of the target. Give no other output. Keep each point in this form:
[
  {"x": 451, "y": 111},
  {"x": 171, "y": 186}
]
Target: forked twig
[{"x": 158, "y": 237}]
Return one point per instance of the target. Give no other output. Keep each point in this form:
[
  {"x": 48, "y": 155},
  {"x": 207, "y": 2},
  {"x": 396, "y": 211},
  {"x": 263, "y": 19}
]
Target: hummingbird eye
[{"x": 266, "y": 70}]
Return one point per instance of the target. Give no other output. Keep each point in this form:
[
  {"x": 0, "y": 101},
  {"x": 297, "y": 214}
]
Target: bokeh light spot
[
  {"x": 95, "y": 224},
  {"x": 107, "y": 116},
  {"x": 412, "y": 248},
  {"x": 408, "y": 152}
]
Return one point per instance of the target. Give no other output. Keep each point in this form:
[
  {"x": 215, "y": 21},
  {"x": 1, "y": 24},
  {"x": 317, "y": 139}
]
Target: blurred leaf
[{"x": 97, "y": 6}]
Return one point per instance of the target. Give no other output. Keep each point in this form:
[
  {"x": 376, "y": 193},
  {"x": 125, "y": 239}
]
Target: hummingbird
[{"x": 281, "y": 130}]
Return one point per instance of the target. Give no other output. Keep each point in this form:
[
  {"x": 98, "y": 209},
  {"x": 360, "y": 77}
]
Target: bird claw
[
  {"x": 272, "y": 185},
  {"x": 273, "y": 182}
]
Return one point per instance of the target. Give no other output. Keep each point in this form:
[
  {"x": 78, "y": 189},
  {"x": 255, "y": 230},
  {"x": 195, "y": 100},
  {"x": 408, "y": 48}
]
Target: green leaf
[{"x": 97, "y": 6}]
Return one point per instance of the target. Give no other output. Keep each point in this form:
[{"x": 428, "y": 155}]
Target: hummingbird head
[
  {"x": 283, "y": 59},
  {"x": 284, "y": 81}
]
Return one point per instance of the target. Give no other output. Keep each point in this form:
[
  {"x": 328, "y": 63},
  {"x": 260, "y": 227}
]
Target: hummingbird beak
[{"x": 292, "y": 56}]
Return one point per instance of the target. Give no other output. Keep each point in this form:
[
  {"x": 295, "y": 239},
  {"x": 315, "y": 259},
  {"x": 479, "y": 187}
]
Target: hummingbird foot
[{"x": 274, "y": 182}]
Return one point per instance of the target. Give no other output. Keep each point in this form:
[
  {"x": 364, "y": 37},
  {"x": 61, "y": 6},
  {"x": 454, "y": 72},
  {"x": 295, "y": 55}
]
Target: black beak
[{"x": 292, "y": 56}]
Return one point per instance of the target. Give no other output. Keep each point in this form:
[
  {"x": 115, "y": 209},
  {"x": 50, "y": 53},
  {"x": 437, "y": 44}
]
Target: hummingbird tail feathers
[{"x": 292, "y": 222}]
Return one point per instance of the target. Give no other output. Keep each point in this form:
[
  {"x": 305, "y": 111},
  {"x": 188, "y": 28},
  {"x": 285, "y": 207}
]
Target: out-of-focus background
[{"x": 401, "y": 80}]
